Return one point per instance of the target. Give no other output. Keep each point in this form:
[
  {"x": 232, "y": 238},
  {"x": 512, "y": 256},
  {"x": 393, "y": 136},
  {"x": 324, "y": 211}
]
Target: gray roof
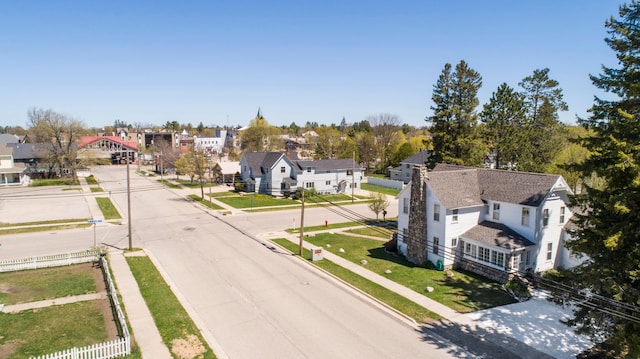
[
  {"x": 456, "y": 189},
  {"x": 26, "y": 151},
  {"x": 327, "y": 165},
  {"x": 259, "y": 160},
  {"x": 523, "y": 188},
  {"x": 9, "y": 138},
  {"x": 419, "y": 158},
  {"x": 497, "y": 234},
  {"x": 5, "y": 150}
]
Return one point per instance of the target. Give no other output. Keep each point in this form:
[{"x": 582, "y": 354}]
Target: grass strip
[
  {"x": 43, "y": 228},
  {"x": 91, "y": 180},
  {"x": 53, "y": 182},
  {"x": 380, "y": 189},
  {"x": 170, "y": 317},
  {"x": 54, "y": 221},
  {"x": 204, "y": 202},
  {"x": 109, "y": 211},
  {"x": 96, "y": 189},
  {"x": 391, "y": 298},
  {"x": 250, "y": 201},
  {"x": 374, "y": 232}
]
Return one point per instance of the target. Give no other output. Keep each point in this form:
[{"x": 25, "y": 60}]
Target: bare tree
[
  {"x": 384, "y": 126},
  {"x": 59, "y": 135}
]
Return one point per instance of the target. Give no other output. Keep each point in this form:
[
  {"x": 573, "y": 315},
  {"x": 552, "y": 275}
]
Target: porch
[{"x": 493, "y": 250}]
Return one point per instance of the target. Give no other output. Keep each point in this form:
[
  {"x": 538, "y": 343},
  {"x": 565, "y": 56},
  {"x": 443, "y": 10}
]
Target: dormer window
[{"x": 308, "y": 169}]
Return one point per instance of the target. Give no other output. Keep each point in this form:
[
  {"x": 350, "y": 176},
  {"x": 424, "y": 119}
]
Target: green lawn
[
  {"x": 109, "y": 211},
  {"x": 248, "y": 201},
  {"x": 465, "y": 292},
  {"x": 205, "y": 203},
  {"x": 385, "y": 190},
  {"x": 373, "y": 231},
  {"x": 327, "y": 198},
  {"x": 322, "y": 227},
  {"x": 49, "y": 283},
  {"x": 229, "y": 193},
  {"x": 53, "y": 182},
  {"x": 194, "y": 184},
  {"x": 48, "y": 330},
  {"x": 170, "y": 317},
  {"x": 394, "y": 300},
  {"x": 96, "y": 189}
]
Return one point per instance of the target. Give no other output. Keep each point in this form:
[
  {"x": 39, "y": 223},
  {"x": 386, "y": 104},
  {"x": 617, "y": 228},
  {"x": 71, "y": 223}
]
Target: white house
[
  {"x": 403, "y": 172},
  {"x": 499, "y": 221},
  {"x": 275, "y": 173},
  {"x": 11, "y": 173},
  {"x": 211, "y": 144}
]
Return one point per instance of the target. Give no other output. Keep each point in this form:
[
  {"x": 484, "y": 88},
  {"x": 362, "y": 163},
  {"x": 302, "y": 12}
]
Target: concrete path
[
  {"x": 15, "y": 308},
  {"x": 144, "y": 329}
]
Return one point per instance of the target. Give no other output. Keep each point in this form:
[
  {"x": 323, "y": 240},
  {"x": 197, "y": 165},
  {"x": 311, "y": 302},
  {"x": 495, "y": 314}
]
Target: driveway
[
  {"x": 536, "y": 323},
  {"x": 33, "y": 204}
]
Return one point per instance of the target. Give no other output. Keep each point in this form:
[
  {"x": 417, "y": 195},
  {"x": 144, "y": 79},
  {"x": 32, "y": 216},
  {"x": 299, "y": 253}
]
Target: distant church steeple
[{"x": 259, "y": 115}]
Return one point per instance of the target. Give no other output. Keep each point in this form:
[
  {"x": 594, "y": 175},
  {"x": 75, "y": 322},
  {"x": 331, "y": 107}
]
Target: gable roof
[
  {"x": 259, "y": 160},
  {"x": 9, "y": 138},
  {"x": 523, "y": 188},
  {"x": 496, "y": 234},
  {"x": 419, "y": 158},
  {"x": 87, "y": 140},
  {"x": 26, "y": 151},
  {"x": 456, "y": 189},
  {"x": 5, "y": 150},
  {"x": 327, "y": 165}
]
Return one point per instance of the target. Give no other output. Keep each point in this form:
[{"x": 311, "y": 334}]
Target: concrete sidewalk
[{"x": 144, "y": 329}]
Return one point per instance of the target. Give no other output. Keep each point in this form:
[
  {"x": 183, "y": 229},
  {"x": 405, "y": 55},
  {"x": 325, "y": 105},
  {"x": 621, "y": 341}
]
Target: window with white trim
[
  {"x": 496, "y": 211},
  {"x": 405, "y": 234},
  {"x": 282, "y": 169},
  {"x": 405, "y": 205},
  {"x": 309, "y": 185},
  {"x": 454, "y": 242},
  {"x": 436, "y": 212},
  {"x": 545, "y": 217},
  {"x": 549, "y": 251},
  {"x": 327, "y": 183},
  {"x": 562, "y": 209},
  {"x": 454, "y": 216}
]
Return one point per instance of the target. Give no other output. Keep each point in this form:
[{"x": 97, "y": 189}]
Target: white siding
[{"x": 403, "y": 218}]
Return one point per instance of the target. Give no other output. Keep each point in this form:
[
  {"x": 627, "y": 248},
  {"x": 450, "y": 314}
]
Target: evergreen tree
[
  {"x": 543, "y": 100},
  {"x": 455, "y": 97},
  {"x": 608, "y": 229},
  {"x": 504, "y": 117}
]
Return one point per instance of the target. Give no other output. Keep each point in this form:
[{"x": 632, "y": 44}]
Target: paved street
[{"x": 252, "y": 300}]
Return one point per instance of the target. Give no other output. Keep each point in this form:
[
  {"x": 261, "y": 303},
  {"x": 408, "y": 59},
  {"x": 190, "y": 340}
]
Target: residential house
[
  {"x": 404, "y": 171},
  {"x": 11, "y": 173},
  {"x": 493, "y": 222},
  {"x": 276, "y": 173}
]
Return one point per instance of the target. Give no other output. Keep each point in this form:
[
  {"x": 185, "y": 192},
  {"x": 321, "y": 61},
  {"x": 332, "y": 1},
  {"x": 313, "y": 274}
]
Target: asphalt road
[{"x": 256, "y": 301}]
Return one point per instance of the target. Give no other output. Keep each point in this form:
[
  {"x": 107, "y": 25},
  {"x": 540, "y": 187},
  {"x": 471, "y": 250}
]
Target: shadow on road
[{"x": 485, "y": 343}]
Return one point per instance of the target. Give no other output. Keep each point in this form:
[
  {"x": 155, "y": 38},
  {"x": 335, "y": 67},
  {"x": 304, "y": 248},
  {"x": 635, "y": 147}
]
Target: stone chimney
[{"x": 417, "y": 241}]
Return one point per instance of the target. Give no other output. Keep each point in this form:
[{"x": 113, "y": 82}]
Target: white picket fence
[
  {"x": 111, "y": 349},
  {"x": 55, "y": 260}
]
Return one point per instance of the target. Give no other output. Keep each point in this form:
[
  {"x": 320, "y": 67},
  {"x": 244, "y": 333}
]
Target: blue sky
[{"x": 218, "y": 61}]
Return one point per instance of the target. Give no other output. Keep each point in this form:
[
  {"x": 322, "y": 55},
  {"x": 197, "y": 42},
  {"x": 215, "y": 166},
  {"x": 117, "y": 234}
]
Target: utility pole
[
  {"x": 129, "y": 202},
  {"x": 301, "y": 224},
  {"x": 353, "y": 175}
]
